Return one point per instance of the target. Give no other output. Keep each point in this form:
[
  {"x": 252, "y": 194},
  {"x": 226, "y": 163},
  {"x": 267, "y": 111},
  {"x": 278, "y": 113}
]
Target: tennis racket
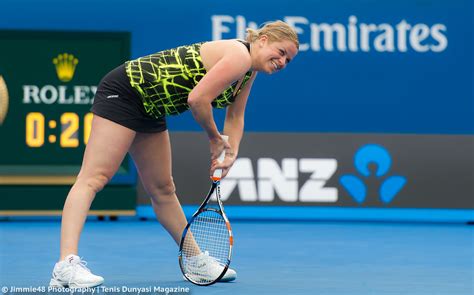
[{"x": 205, "y": 249}]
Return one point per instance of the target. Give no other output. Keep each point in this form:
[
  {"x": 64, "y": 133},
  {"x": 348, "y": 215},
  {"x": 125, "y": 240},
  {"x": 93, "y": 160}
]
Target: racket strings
[{"x": 206, "y": 247}]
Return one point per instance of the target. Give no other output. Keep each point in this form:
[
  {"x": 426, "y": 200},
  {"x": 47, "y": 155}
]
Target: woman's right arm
[{"x": 233, "y": 64}]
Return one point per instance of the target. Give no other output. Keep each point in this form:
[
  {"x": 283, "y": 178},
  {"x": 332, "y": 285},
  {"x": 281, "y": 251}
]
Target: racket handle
[{"x": 218, "y": 172}]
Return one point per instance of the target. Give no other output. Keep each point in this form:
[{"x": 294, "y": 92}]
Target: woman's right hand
[{"x": 217, "y": 146}]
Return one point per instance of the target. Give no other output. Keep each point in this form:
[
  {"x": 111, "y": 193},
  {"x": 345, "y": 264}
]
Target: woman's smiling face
[{"x": 273, "y": 56}]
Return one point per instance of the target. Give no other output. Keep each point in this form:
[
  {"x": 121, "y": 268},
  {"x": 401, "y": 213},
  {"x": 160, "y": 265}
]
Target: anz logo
[{"x": 281, "y": 180}]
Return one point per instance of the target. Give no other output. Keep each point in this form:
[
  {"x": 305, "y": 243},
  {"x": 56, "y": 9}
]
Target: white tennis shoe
[
  {"x": 204, "y": 264},
  {"x": 73, "y": 273}
]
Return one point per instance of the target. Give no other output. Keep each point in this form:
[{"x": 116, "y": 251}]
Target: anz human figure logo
[{"x": 378, "y": 155}]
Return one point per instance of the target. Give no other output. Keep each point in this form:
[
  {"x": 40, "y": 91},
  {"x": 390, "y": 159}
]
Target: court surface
[{"x": 347, "y": 258}]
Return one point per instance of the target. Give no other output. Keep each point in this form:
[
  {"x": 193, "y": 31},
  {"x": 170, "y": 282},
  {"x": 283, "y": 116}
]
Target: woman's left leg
[{"x": 152, "y": 155}]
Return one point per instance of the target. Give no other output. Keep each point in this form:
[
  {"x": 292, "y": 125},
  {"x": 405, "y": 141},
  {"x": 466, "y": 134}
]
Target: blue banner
[{"x": 364, "y": 66}]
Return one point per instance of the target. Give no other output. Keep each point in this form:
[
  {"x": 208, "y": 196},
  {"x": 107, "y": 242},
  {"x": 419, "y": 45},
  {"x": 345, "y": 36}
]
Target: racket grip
[{"x": 218, "y": 172}]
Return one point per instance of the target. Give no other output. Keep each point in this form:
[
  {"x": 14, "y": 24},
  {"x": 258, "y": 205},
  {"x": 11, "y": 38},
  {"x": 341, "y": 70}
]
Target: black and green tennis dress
[{"x": 141, "y": 92}]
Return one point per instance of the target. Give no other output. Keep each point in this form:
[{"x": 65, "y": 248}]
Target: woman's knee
[
  {"x": 95, "y": 182},
  {"x": 162, "y": 190}
]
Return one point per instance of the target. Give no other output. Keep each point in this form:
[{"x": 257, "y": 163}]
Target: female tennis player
[{"x": 130, "y": 109}]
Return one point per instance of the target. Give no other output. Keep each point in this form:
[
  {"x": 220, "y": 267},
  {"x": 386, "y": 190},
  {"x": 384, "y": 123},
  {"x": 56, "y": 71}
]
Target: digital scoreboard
[{"x": 47, "y": 86}]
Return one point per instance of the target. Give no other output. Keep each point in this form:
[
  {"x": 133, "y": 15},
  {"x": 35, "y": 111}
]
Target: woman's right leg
[{"x": 108, "y": 144}]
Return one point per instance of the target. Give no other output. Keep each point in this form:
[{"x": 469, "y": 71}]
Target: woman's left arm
[{"x": 234, "y": 124}]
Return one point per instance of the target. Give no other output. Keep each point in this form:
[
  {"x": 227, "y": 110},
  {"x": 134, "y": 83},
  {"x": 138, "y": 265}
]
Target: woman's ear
[{"x": 262, "y": 40}]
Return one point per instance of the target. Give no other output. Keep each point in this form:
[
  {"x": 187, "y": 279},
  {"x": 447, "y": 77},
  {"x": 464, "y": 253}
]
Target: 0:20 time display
[{"x": 69, "y": 123}]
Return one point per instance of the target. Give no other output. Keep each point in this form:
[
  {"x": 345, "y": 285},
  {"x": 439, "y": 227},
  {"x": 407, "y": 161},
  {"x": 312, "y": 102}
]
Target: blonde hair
[{"x": 275, "y": 31}]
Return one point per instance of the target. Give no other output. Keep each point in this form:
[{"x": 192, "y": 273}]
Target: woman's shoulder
[
  {"x": 227, "y": 45},
  {"x": 219, "y": 49}
]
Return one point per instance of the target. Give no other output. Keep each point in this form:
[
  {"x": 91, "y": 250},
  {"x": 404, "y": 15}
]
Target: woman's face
[{"x": 273, "y": 56}]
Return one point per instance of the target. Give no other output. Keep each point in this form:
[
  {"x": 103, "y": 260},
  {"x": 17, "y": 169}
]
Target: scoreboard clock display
[{"x": 47, "y": 86}]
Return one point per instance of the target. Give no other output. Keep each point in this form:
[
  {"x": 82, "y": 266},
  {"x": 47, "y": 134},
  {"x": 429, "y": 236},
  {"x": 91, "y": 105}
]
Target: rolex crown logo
[{"x": 65, "y": 66}]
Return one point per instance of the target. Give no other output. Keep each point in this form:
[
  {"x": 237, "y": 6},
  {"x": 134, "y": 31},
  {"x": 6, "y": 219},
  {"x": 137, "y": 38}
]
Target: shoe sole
[{"x": 223, "y": 279}]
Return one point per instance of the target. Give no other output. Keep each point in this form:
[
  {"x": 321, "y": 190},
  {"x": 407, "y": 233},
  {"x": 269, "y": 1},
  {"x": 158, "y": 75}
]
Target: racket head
[{"x": 206, "y": 247}]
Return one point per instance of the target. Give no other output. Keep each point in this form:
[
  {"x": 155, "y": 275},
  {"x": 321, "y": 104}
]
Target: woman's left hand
[{"x": 225, "y": 165}]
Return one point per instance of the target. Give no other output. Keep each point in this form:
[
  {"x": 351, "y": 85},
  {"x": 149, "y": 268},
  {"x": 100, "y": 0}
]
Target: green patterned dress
[{"x": 165, "y": 79}]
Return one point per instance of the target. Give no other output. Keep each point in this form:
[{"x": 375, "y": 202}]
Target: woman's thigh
[
  {"x": 107, "y": 146},
  {"x": 152, "y": 155}
]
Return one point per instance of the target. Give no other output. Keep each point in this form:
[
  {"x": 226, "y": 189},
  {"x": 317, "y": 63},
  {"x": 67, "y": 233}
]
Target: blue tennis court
[{"x": 270, "y": 257}]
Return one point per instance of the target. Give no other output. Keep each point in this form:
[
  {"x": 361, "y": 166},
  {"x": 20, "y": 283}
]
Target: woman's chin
[{"x": 269, "y": 71}]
